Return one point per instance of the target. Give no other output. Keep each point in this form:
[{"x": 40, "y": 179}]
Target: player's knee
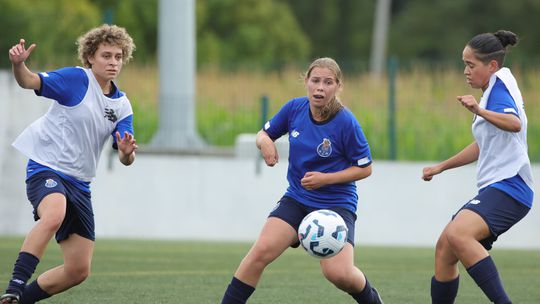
[
  {"x": 78, "y": 275},
  {"x": 81, "y": 277},
  {"x": 337, "y": 276},
  {"x": 52, "y": 222},
  {"x": 262, "y": 255},
  {"x": 442, "y": 245},
  {"x": 456, "y": 239}
]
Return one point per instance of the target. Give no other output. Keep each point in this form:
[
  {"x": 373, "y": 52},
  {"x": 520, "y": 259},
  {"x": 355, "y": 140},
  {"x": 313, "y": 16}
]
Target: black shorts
[
  {"x": 499, "y": 210},
  {"x": 293, "y": 212},
  {"x": 79, "y": 216}
]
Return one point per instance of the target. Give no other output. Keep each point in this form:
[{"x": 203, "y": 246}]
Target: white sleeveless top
[
  {"x": 70, "y": 139},
  {"x": 502, "y": 154}
]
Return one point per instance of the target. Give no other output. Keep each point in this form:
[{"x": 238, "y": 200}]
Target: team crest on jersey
[
  {"x": 325, "y": 148},
  {"x": 50, "y": 183},
  {"x": 110, "y": 115}
]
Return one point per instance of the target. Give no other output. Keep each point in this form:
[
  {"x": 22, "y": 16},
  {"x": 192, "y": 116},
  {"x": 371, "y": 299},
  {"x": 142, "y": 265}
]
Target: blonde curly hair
[{"x": 89, "y": 42}]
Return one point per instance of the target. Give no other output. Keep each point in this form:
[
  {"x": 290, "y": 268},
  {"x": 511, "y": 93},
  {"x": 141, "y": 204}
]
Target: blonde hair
[
  {"x": 109, "y": 34},
  {"x": 335, "y": 104}
]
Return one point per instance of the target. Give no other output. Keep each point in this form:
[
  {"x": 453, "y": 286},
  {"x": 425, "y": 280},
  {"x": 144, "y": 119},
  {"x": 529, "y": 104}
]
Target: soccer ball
[{"x": 323, "y": 233}]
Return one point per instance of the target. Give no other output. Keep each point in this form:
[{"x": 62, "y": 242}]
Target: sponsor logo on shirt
[
  {"x": 267, "y": 125},
  {"x": 325, "y": 148},
  {"x": 295, "y": 133},
  {"x": 110, "y": 115},
  {"x": 474, "y": 202},
  {"x": 50, "y": 183}
]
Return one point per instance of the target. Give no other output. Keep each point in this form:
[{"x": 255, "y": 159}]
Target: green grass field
[{"x": 143, "y": 271}]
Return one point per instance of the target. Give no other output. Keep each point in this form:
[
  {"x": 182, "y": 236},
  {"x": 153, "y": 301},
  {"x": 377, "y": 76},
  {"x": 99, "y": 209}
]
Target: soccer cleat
[
  {"x": 376, "y": 296},
  {"x": 10, "y": 298}
]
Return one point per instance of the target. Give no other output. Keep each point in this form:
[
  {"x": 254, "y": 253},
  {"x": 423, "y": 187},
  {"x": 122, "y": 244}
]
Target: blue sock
[
  {"x": 22, "y": 272},
  {"x": 444, "y": 292},
  {"x": 33, "y": 293},
  {"x": 366, "y": 296},
  {"x": 486, "y": 276},
  {"x": 237, "y": 292}
]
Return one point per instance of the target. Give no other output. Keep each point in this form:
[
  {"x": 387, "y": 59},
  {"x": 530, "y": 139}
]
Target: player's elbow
[
  {"x": 513, "y": 125},
  {"x": 515, "y": 128},
  {"x": 368, "y": 171},
  {"x": 364, "y": 172}
]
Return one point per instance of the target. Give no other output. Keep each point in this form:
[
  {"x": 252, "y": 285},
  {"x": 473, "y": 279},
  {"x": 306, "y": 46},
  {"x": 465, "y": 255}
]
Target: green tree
[
  {"x": 249, "y": 32},
  {"x": 340, "y": 29},
  {"x": 140, "y": 18},
  {"x": 437, "y": 30},
  {"x": 54, "y": 25}
]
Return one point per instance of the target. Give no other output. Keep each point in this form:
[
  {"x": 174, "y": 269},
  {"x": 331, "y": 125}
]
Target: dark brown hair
[{"x": 492, "y": 46}]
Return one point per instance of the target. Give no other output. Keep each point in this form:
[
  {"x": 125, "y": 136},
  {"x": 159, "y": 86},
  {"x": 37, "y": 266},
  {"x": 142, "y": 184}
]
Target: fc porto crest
[
  {"x": 325, "y": 148},
  {"x": 50, "y": 183}
]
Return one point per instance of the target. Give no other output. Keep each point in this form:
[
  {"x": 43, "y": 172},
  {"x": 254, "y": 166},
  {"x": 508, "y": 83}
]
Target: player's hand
[
  {"x": 313, "y": 180},
  {"x": 269, "y": 153},
  {"x": 18, "y": 53},
  {"x": 127, "y": 144},
  {"x": 469, "y": 102},
  {"x": 429, "y": 172}
]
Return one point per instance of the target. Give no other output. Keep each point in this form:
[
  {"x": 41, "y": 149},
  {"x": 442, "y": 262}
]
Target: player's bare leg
[
  {"x": 464, "y": 234},
  {"x": 446, "y": 262},
  {"x": 77, "y": 253},
  {"x": 51, "y": 211},
  {"x": 275, "y": 237},
  {"x": 341, "y": 271}
]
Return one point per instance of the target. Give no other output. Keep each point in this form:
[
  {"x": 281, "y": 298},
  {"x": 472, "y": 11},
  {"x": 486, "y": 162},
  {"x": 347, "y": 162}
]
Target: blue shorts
[
  {"x": 499, "y": 210},
  {"x": 293, "y": 212},
  {"x": 79, "y": 216}
]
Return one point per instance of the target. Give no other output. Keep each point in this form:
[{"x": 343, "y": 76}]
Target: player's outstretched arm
[
  {"x": 466, "y": 156},
  {"x": 126, "y": 148},
  {"x": 25, "y": 78}
]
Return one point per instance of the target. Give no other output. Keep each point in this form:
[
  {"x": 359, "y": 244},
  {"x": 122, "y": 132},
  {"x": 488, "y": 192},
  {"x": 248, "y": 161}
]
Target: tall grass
[{"x": 430, "y": 123}]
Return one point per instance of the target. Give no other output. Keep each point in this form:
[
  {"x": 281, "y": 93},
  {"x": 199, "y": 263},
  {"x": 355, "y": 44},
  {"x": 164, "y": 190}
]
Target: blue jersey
[
  {"x": 326, "y": 147},
  {"x": 501, "y": 101}
]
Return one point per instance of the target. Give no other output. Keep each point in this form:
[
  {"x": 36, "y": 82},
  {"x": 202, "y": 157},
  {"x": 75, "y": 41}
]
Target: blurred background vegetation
[{"x": 247, "y": 49}]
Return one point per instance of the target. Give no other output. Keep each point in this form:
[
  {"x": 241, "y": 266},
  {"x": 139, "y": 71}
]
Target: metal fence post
[
  {"x": 392, "y": 69},
  {"x": 264, "y": 119}
]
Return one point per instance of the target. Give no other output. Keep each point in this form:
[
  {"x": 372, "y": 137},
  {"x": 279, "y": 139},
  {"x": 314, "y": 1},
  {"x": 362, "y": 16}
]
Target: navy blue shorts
[
  {"x": 499, "y": 210},
  {"x": 79, "y": 217},
  {"x": 293, "y": 212}
]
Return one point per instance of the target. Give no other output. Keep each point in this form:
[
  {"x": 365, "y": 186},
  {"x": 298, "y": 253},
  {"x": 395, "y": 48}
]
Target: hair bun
[{"x": 506, "y": 37}]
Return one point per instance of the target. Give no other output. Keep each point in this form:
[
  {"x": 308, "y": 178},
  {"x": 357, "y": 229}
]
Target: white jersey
[
  {"x": 70, "y": 139},
  {"x": 502, "y": 154}
]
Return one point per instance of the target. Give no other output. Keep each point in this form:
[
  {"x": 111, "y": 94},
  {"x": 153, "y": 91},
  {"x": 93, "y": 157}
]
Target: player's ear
[{"x": 493, "y": 66}]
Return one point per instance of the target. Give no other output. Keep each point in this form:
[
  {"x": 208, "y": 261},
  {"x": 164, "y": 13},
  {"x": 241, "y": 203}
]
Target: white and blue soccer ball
[{"x": 323, "y": 233}]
